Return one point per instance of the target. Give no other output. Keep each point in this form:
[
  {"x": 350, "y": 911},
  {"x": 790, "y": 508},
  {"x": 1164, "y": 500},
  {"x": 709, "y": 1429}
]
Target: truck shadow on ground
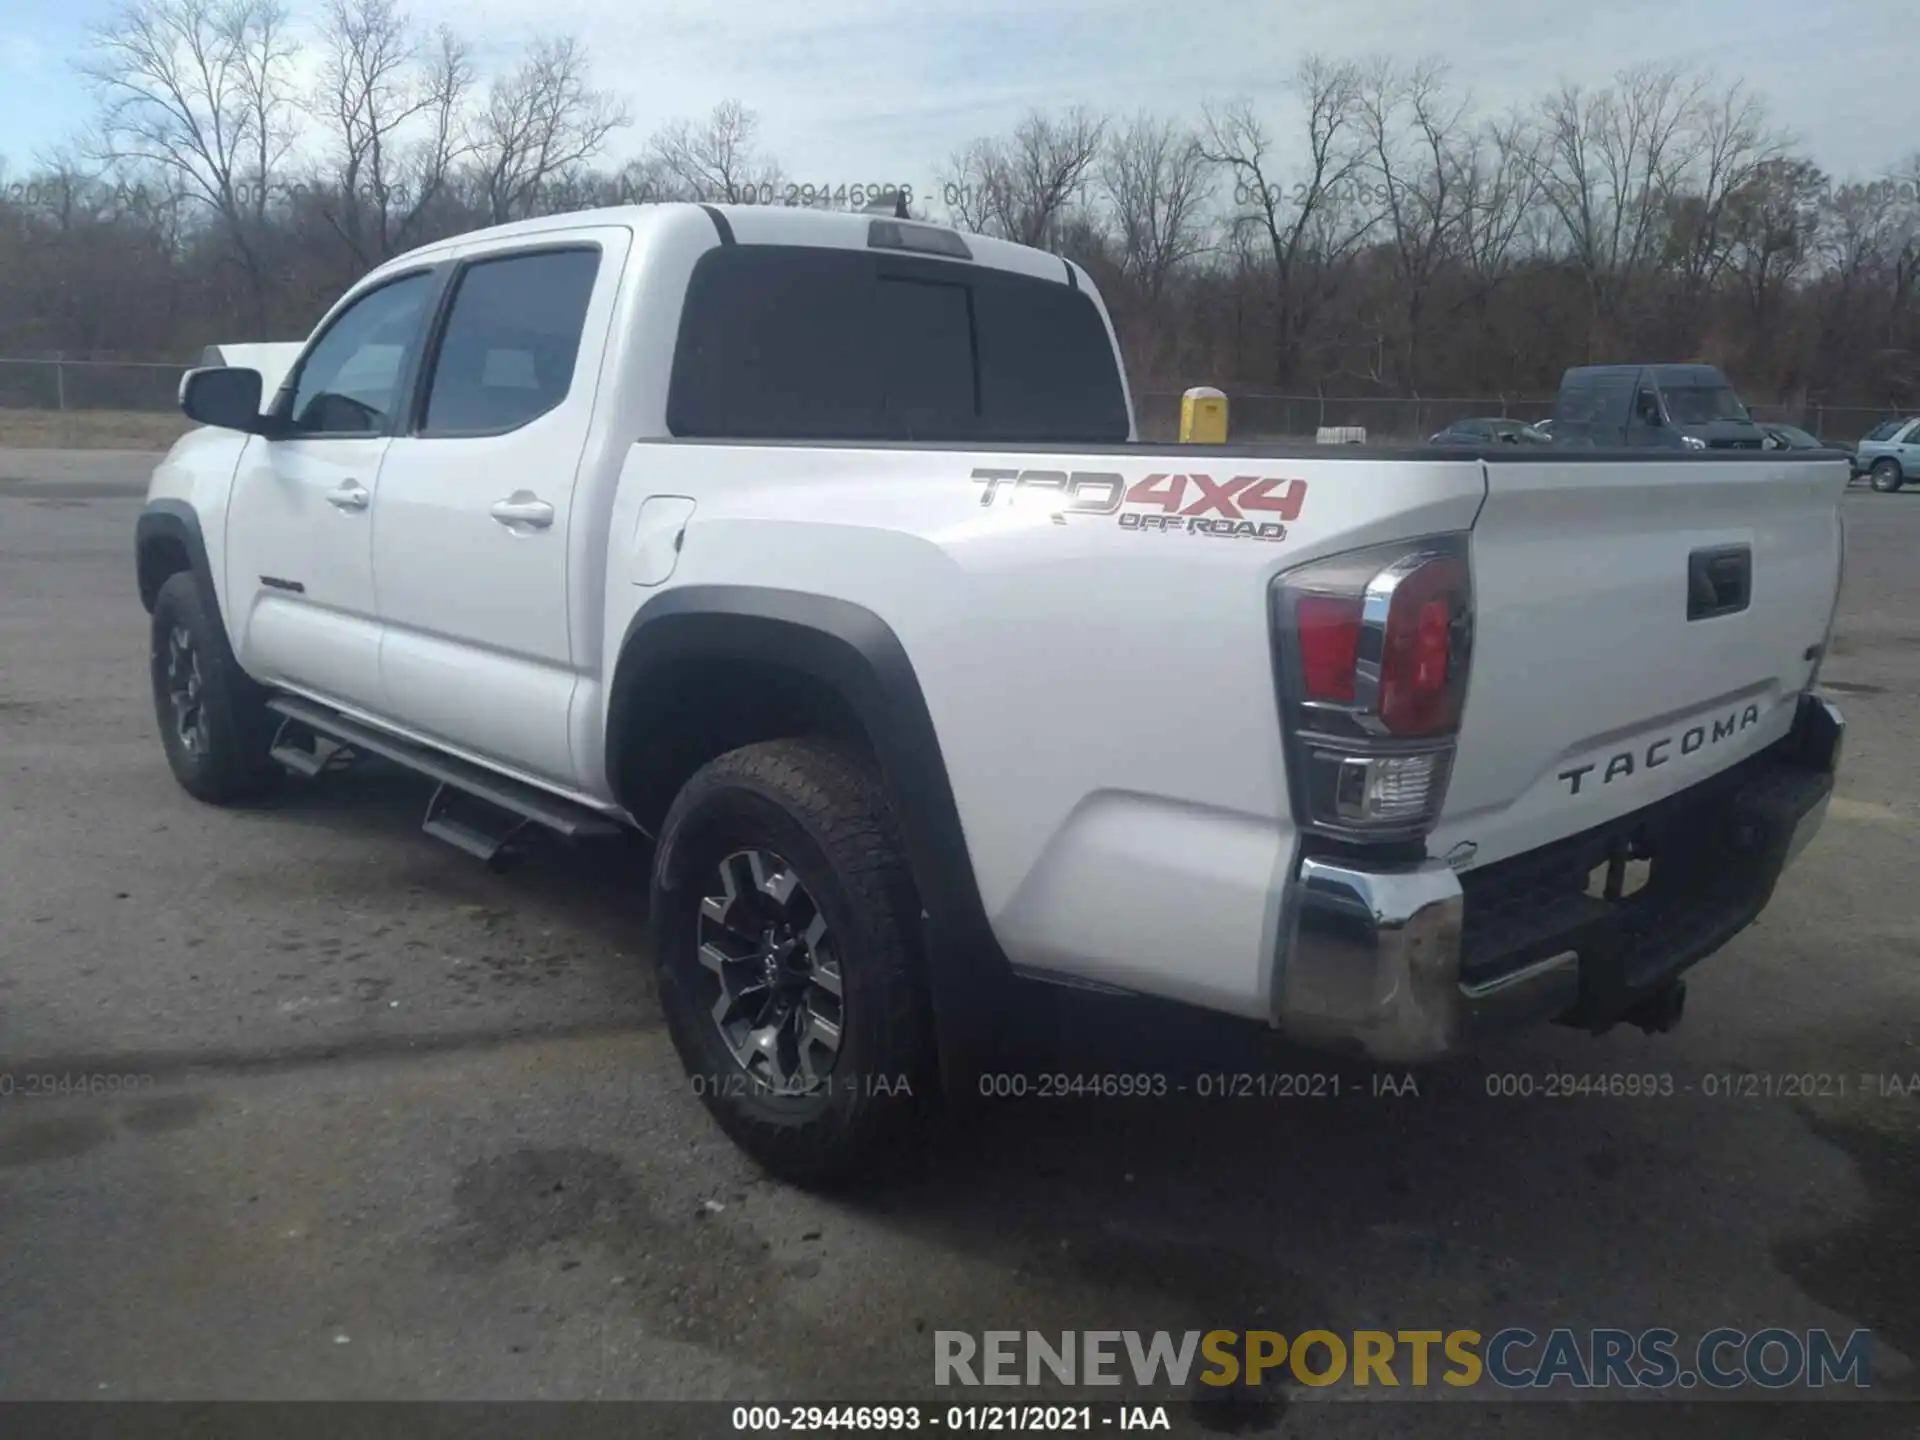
[
  {"x": 1254, "y": 1186},
  {"x": 1379, "y": 1199},
  {"x": 590, "y": 896}
]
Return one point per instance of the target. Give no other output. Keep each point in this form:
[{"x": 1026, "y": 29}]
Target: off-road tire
[
  {"x": 822, "y": 808},
  {"x": 226, "y": 761}
]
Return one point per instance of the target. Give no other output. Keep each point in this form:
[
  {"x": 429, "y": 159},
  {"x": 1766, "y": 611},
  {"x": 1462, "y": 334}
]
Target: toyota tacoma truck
[{"x": 820, "y": 549}]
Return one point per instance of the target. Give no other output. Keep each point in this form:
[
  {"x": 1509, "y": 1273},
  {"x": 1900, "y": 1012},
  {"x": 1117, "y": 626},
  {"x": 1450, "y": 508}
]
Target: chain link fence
[
  {"x": 91, "y": 391},
  {"x": 1396, "y": 418},
  {"x": 149, "y": 387}
]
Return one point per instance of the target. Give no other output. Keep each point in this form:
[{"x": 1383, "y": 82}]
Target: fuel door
[{"x": 657, "y": 536}]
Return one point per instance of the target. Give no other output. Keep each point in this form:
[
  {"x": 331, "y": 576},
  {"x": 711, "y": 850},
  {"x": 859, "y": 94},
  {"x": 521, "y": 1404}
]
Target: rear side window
[
  {"x": 512, "y": 335},
  {"x": 800, "y": 343},
  {"x": 1886, "y": 431}
]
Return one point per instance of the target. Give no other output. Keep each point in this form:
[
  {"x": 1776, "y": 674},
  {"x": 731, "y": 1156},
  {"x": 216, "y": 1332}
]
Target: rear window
[{"x": 801, "y": 343}]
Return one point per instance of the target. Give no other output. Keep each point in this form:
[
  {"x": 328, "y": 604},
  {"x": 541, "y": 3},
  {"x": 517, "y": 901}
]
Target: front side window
[
  {"x": 1702, "y": 404},
  {"x": 349, "y": 382},
  {"x": 512, "y": 335}
]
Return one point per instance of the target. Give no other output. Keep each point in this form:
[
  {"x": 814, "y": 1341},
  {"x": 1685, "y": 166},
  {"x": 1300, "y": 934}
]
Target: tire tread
[{"x": 833, "y": 791}]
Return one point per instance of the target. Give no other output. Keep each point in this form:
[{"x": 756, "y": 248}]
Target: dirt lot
[
  {"x": 402, "y": 1128},
  {"x": 91, "y": 429}
]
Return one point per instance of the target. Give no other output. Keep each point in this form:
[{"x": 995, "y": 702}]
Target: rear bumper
[{"x": 1415, "y": 964}]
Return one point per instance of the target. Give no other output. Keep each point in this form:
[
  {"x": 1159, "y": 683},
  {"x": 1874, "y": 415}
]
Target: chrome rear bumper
[{"x": 1374, "y": 961}]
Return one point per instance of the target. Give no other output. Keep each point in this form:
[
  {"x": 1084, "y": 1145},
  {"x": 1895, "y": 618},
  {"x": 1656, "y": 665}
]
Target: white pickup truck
[{"x": 821, "y": 549}]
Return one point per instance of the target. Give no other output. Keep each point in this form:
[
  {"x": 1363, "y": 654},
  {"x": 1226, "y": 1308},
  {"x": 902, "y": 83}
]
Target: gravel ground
[{"x": 401, "y": 1128}]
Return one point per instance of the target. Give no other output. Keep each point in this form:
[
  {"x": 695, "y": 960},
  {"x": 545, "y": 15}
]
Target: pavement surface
[{"x": 372, "y": 1122}]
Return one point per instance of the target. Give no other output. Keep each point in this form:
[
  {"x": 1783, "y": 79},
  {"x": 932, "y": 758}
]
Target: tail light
[{"x": 1373, "y": 649}]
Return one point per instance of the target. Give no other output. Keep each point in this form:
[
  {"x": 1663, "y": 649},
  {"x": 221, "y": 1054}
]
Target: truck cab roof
[
  {"x": 1664, "y": 372},
  {"x": 766, "y": 225}
]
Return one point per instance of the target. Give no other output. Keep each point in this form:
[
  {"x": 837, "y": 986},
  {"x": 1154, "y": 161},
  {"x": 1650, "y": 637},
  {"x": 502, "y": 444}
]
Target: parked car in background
[
  {"x": 1490, "y": 429},
  {"x": 1677, "y": 407},
  {"x": 1545, "y": 427},
  {"x": 1889, "y": 455},
  {"x": 1792, "y": 437}
]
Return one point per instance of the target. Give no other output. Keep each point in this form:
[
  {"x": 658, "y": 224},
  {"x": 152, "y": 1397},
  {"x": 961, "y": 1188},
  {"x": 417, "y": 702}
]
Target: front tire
[
  {"x": 213, "y": 719},
  {"x": 786, "y": 930},
  {"x": 1886, "y": 475}
]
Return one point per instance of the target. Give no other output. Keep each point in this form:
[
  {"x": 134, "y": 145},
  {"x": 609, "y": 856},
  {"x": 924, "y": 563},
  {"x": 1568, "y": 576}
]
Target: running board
[
  {"x": 482, "y": 829},
  {"x": 480, "y": 812},
  {"x": 311, "y": 759}
]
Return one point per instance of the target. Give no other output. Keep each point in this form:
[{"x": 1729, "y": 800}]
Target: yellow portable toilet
[{"x": 1203, "y": 416}]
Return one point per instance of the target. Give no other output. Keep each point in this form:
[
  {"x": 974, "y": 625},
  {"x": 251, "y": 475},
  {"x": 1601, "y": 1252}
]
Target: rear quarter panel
[{"x": 1103, "y": 697}]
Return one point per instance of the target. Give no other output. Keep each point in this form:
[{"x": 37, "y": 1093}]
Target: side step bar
[{"x": 474, "y": 809}]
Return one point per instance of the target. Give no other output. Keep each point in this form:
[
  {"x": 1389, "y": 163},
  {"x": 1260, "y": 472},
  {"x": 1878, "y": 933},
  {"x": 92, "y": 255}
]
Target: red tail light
[
  {"x": 1416, "y": 656},
  {"x": 1373, "y": 651},
  {"x": 1329, "y": 631}
]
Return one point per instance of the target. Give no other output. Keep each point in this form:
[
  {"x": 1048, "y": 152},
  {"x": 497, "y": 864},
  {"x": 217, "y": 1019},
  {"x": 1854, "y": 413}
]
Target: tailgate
[{"x": 1639, "y": 626}]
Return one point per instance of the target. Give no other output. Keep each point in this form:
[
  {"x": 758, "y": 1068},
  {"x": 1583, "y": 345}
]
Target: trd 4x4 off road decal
[{"x": 1247, "y": 507}]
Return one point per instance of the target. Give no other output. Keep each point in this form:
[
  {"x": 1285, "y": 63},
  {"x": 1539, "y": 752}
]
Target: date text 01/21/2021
[
  {"x": 905, "y": 1419},
  {"x": 1713, "y": 1085},
  {"x": 1209, "y": 1085}
]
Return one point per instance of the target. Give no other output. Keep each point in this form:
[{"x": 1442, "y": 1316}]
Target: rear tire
[
  {"x": 786, "y": 931},
  {"x": 213, "y": 719},
  {"x": 1886, "y": 475}
]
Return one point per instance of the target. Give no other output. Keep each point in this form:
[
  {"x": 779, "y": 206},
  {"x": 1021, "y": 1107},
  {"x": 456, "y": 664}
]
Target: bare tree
[
  {"x": 201, "y": 91},
  {"x": 1773, "y": 225},
  {"x": 1730, "y": 144},
  {"x": 540, "y": 123},
  {"x": 392, "y": 100},
  {"x": 1421, "y": 166},
  {"x": 1376, "y": 237},
  {"x": 1610, "y": 160},
  {"x": 1498, "y": 193},
  {"x": 1156, "y": 185},
  {"x": 1308, "y": 225},
  {"x": 714, "y": 161},
  {"x": 1025, "y": 187}
]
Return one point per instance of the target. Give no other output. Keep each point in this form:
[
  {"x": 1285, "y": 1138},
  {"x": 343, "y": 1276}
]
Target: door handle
[
  {"x": 1719, "y": 582},
  {"x": 523, "y": 510},
  {"x": 350, "y": 495}
]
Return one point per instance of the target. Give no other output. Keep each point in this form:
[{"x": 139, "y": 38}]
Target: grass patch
[{"x": 91, "y": 429}]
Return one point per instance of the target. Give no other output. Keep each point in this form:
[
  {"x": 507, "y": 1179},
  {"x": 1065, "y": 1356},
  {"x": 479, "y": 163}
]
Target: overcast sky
[{"x": 884, "y": 90}]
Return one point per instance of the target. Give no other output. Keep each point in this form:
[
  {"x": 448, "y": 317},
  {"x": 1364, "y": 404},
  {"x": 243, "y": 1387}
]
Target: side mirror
[{"x": 225, "y": 396}]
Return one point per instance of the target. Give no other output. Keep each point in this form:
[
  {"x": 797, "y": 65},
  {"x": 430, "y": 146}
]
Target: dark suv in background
[{"x": 1676, "y": 407}]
